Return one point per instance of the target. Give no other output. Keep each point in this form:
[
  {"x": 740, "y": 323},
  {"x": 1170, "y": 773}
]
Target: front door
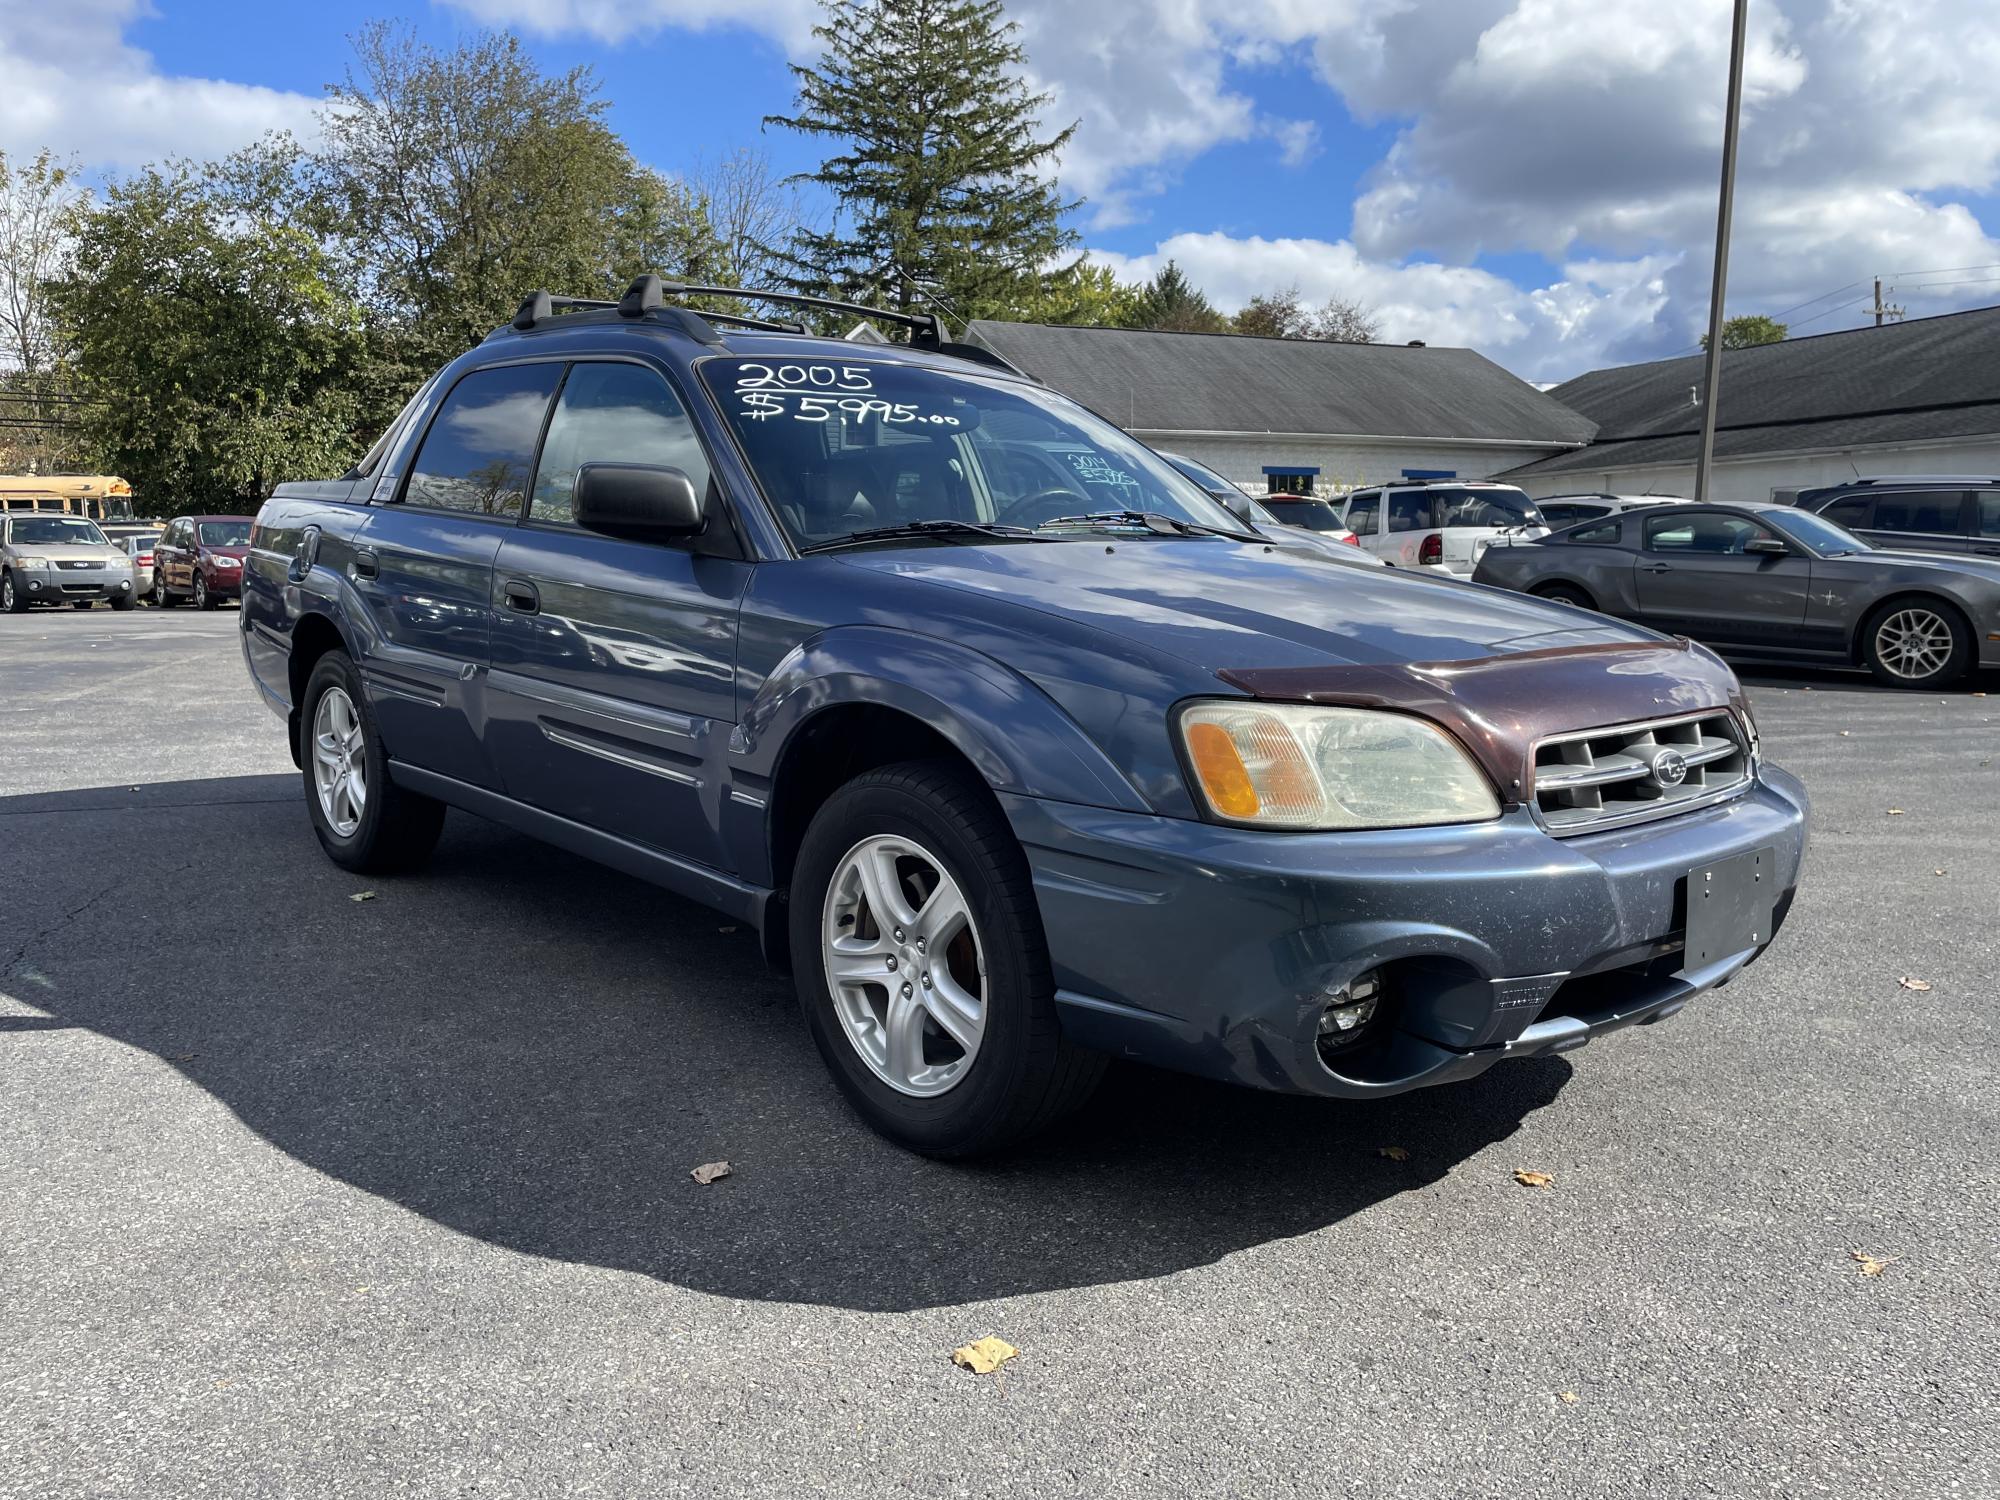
[
  {"x": 1695, "y": 577},
  {"x": 614, "y": 660},
  {"x": 423, "y": 568}
]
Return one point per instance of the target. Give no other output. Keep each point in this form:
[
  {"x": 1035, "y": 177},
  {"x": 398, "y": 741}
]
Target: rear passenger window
[
  {"x": 1989, "y": 515},
  {"x": 1602, "y": 535},
  {"x": 1851, "y": 512},
  {"x": 1361, "y": 511},
  {"x": 1409, "y": 510},
  {"x": 478, "y": 452},
  {"x": 1937, "y": 511},
  {"x": 614, "y": 414}
]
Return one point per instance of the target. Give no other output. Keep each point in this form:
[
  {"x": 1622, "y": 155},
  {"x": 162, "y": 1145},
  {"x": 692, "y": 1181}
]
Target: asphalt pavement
[{"x": 307, "y": 1195}]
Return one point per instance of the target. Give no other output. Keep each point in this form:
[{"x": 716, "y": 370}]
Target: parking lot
[{"x": 304, "y": 1194}]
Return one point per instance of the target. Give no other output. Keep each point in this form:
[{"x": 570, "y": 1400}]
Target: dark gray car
[
  {"x": 1915, "y": 513},
  {"x": 1770, "y": 581}
]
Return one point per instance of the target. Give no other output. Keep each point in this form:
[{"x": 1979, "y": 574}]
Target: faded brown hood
[{"x": 1498, "y": 707}]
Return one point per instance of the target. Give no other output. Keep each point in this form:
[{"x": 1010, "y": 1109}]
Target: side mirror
[
  {"x": 1766, "y": 546},
  {"x": 639, "y": 500}
]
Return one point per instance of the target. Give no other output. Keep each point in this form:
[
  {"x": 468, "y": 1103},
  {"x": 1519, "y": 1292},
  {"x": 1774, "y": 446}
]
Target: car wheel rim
[
  {"x": 904, "y": 965},
  {"x": 200, "y": 592},
  {"x": 340, "y": 766},
  {"x": 7, "y": 593},
  {"x": 1913, "y": 643}
]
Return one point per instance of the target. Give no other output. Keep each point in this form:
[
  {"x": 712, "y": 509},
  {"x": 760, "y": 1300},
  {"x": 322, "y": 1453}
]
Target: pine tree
[
  {"x": 1174, "y": 304},
  {"x": 945, "y": 178}
]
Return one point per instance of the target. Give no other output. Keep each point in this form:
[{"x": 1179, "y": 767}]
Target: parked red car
[{"x": 201, "y": 558}]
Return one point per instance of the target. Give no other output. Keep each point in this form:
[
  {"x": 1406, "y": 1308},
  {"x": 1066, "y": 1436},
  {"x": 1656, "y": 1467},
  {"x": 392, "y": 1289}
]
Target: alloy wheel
[
  {"x": 340, "y": 764},
  {"x": 1913, "y": 643},
  {"x": 904, "y": 965}
]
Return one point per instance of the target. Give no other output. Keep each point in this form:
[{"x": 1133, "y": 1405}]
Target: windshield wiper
[
  {"x": 940, "y": 526},
  {"x": 1152, "y": 520}
]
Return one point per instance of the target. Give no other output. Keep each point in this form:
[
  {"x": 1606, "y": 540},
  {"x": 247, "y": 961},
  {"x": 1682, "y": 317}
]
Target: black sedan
[{"x": 1769, "y": 581}]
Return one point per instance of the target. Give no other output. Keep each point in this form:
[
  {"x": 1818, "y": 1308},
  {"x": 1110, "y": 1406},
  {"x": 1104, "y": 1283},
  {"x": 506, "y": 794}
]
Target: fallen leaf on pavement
[
  {"x": 1568, "y": 1398},
  {"x": 1914, "y": 984},
  {"x": 1895, "y": 812},
  {"x": 362, "y": 896},
  {"x": 1846, "y": 734},
  {"x": 983, "y": 1356},
  {"x": 186, "y": 1056},
  {"x": 1394, "y": 1153},
  {"x": 1872, "y": 1265},
  {"x": 708, "y": 1171},
  {"x": 1937, "y": 872},
  {"x": 1533, "y": 1179}
]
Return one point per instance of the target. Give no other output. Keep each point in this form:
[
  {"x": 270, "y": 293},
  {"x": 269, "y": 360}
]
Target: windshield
[
  {"x": 1313, "y": 515},
  {"x": 1828, "y": 538},
  {"x": 224, "y": 533},
  {"x": 852, "y": 447},
  {"x": 1202, "y": 475},
  {"x": 65, "y": 531},
  {"x": 1494, "y": 507}
]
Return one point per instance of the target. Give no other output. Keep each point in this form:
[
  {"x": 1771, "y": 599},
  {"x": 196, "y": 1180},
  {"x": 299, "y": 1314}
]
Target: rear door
[
  {"x": 1695, "y": 578},
  {"x": 423, "y": 568},
  {"x": 1986, "y": 524},
  {"x": 1407, "y": 517},
  {"x": 614, "y": 660}
]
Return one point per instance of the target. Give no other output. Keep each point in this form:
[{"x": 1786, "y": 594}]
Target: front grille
[
  {"x": 77, "y": 566},
  {"x": 1600, "y": 778}
]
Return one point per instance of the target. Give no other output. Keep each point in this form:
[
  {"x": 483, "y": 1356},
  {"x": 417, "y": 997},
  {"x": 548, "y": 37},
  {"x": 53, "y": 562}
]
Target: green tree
[
  {"x": 1174, "y": 304},
  {"x": 1083, "y": 294},
  {"x": 38, "y": 411},
  {"x": 942, "y": 179},
  {"x": 213, "y": 335},
  {"x": 462, "y": 180},
  {"x": 1749, "y": 331}
]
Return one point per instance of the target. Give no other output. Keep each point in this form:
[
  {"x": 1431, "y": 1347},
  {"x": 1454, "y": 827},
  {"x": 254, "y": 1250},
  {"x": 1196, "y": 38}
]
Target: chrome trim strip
[{"x": 617, "y": 757}]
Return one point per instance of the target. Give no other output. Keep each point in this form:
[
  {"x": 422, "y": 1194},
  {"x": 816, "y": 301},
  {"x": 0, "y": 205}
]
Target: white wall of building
[
  {"x": 1342, "y": 465},
  {"x": 1757, "y": 478}
]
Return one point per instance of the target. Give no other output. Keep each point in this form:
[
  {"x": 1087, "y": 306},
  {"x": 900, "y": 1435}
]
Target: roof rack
[{"x": 660, "y": 297}]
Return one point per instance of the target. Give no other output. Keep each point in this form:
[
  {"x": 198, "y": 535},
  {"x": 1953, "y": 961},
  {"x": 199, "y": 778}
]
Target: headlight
[
  {"x": 34, "y": 562},
  {"x": 226, "y": 562},
  {"x": 1279, "y": 765}
]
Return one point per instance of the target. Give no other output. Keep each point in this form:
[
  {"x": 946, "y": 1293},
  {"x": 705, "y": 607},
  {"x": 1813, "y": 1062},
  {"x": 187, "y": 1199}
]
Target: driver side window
[
  {"x": 1709, "y": 533},
  {"x": 613, "y": 414}
]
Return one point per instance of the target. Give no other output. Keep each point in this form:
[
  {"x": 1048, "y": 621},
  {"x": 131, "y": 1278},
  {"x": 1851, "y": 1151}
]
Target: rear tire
[
  {"x": 393, "y": 829},
  {"x": 164, "y": 596},
  {"x": 1023, "y": 1074},
  {"x": 80, "y": 603},
  {"x": 1916, "y": 643},
  {"x": 123, "y": 602},
  {"x": 1563, "y": 593}
]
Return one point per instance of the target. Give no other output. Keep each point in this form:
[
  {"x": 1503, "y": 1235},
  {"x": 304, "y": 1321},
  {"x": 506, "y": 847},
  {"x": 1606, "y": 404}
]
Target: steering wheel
[{"x": 1055, "y": 500}]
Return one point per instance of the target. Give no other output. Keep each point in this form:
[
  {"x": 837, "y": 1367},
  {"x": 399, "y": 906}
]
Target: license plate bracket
[{"x": 1729, "y": 905}]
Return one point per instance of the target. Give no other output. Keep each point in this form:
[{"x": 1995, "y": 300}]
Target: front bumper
[
  {"x": 223, "y": 583},
  {"x": 73, "y": 586},
  {"x": 1212, "y": 950}
]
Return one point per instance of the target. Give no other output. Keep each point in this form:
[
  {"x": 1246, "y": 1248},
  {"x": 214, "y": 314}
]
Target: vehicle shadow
[{"x": 528, "y": 1048}]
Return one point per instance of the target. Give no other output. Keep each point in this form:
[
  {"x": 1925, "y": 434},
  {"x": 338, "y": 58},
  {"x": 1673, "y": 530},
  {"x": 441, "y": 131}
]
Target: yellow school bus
[{"x": 101, "y": 497}]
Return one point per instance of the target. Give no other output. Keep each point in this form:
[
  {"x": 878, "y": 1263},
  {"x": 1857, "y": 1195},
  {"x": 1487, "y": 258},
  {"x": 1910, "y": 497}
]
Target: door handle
[
  {"x": 1659, "y": 567},
  {"x": 521, "y": 596},
  {"x": 366, "y": 563}
]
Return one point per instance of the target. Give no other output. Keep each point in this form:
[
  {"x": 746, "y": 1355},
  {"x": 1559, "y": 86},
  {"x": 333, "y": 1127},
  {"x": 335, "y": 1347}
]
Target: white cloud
[{"x": 73, "y": 86}]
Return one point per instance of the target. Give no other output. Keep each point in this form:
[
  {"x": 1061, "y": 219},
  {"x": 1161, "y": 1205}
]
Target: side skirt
[{"x": 746, "y": 903}]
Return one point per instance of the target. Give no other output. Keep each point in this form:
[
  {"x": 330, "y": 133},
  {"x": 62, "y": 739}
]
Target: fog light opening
[{"x": 1349, "y": 1015}]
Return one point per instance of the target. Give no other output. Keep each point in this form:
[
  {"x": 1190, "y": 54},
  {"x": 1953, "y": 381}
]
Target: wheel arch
[{"x": 314, "y": 634}]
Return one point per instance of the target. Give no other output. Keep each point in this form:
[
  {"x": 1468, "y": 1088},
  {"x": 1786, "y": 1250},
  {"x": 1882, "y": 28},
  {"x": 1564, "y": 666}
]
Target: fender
[{"x": 1016, "y": 735}]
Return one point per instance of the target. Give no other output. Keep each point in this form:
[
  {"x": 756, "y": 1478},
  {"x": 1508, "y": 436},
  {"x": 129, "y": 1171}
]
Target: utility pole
[
  {"x": 1712, "y": 381},
  {"x": 1882, "y": 311}
]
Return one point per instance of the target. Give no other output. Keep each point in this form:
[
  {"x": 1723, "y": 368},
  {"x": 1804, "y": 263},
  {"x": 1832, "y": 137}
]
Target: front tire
[
  {"x": 123, "y": 602},
  {"x": 1916, "y": 643},
  {"x": 364, "y": 821},
  {"x": 921, "y": 965},
  {"x": 13, "y": 601},
  {"x": 203, "y": 599}
]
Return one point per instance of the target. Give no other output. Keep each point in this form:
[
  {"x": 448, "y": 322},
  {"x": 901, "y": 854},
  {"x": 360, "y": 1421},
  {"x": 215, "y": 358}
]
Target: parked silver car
[
  {"x": 139, "y": 547},
  {"x": 55, "y": 559}
]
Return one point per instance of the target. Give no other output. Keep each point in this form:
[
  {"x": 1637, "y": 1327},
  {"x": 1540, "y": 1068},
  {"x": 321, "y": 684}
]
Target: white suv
[
  {"x": 1441, "y": 523},
  {"x": 1559, "y": 511}
]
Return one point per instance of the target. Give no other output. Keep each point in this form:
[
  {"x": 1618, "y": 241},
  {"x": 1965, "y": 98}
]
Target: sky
[{"x": 1535, "y": 179}]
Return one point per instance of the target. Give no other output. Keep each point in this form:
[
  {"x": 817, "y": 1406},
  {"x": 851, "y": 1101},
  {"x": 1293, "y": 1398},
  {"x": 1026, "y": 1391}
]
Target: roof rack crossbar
[
  {"x": 537, "y": 306},
  {"x": 927, "y": 327}
]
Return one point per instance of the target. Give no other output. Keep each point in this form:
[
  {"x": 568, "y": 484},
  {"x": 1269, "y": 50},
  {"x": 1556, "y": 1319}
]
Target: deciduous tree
[{"x": 1749, "y": 331}]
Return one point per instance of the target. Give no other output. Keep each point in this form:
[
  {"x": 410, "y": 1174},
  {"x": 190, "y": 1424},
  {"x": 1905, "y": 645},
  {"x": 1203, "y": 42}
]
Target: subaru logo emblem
[{"x": 1669, "y": 767}]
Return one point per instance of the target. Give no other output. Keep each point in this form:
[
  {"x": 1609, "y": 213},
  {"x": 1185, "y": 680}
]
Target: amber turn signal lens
[{"x": 1224, "y": 779}]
